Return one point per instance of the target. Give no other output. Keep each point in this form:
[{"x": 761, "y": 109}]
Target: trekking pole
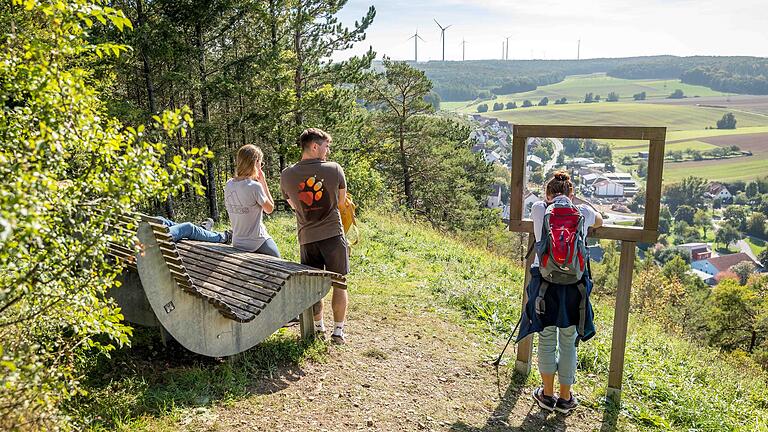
[{"x": 498, "y": 360}]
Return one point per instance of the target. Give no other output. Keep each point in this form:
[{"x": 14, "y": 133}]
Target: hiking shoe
[
  {"x": 338, "y": 339},
  {"x": 207, "y": 224},
  {"x": 320, "y": 334},
  {"x": 566, "y": 406},
  {"x": 544, "y": 401},
  {"x": 228, "y": 237}
]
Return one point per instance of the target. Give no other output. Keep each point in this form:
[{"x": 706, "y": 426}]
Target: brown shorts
[{"x": 331, "y": 254}]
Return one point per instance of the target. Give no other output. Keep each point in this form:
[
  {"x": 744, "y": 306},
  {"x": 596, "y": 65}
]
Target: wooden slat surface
[
  {"x": 265, "y": 263},
  {"x": 188, "y": 251},
  {"x": 239, "y": 284}
]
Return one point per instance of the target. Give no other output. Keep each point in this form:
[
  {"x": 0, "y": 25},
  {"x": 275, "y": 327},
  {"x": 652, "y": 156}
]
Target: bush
[
  {"x": 639, "y": 96},
  {"x": 612, "y": 97},
  {"x": 727, "y": 122},
  {"x": 511, "y": 105},
  {"x": 544, "y": 101},
  {"x": 482, "y": 108},
  {"x": 527, "y": 103},
  {"x": 677, "y": 94},
  {"x": 498, "y": 106},
  {"x": 78, "y": 173}
]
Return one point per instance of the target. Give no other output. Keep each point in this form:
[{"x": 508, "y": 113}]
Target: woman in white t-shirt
[
  {"x": 247, "y": 198},
  {"x": 557, "y": 334}
]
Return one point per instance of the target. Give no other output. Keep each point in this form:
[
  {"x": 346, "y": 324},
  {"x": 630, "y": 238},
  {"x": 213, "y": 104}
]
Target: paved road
[
  {"x": 558, "y": 148},
  {"x": 744, "y": 247}
]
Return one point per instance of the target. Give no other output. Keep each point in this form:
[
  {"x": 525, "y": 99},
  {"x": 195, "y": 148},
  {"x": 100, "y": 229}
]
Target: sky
[{"x": 551, "y": 29}]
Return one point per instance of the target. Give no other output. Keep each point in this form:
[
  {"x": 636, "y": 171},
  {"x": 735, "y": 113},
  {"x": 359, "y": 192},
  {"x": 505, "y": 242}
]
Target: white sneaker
[{"x": 207, "y": 224}]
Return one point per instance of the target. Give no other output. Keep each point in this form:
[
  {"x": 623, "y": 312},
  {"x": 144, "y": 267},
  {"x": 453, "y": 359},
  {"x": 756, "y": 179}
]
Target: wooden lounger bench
[{"x": 213, "y": 299}]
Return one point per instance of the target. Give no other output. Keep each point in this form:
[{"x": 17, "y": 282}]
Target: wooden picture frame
[{"x": 629, "y": 236}]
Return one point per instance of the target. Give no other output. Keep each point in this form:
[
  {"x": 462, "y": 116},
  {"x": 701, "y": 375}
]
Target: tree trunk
[
  {"x": 151, "y": 98},
  {"x": 210, "y": 191},
  {"x": 147, "y": 68},
  {"x": 298, "y": 77},
  {"x": 406, "y": 173},
  {"x": 281, "y": 150},
  {"x": 752, "y": 341}
]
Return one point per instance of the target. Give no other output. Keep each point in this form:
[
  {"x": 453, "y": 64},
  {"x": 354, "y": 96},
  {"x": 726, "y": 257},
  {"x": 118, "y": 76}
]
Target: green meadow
[
  {"x": 574, "y": 87},
  {"x": 674, "y": 117}
]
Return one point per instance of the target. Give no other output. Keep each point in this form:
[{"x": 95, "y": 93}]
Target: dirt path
[{"x": 409, "y": 371}]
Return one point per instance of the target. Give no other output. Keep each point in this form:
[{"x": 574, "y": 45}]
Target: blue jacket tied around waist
[{"x": 562, "y": 307}]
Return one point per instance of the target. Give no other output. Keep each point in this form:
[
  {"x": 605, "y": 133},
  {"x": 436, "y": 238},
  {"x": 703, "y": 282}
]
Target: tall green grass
[{"x": 669, "y": 383}]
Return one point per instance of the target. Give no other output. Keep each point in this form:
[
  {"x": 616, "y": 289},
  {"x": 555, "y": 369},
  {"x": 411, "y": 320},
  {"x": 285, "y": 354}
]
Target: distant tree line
[
  {"x": 528, "y": 83},
  {"x": 723, "y": 80},
  {"x": 747, "y": 75},
  {"x": 731, "y": 74}
]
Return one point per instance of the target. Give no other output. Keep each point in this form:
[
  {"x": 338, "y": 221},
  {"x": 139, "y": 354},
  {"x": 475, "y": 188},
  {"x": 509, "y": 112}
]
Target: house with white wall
[
  {"x": 717, "y": 190},
  {"x": 494, "y": 199},
  {"x": 608, "y": 188},
  {"x": 714, "y": 265}
]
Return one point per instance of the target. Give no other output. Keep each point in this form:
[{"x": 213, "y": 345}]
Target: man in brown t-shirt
[{"x": 313, "y": 188}]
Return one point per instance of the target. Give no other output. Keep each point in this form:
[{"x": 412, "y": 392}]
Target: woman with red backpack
[{"x": 558, "y": 305}]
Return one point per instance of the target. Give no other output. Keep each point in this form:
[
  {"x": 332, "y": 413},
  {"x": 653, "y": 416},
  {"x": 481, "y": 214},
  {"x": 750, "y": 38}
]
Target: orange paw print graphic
[{"x": 310, "y": 191}]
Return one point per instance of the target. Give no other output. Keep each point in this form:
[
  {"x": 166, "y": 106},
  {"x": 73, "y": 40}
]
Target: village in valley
[{"x": 619, "y": 196}]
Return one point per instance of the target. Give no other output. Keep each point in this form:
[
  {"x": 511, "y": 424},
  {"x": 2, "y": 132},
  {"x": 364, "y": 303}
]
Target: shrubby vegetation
[
  {"x": 68, "y": 171},
  {"x": 727, "y": 122},
  {"x": 83, "y": 135}
]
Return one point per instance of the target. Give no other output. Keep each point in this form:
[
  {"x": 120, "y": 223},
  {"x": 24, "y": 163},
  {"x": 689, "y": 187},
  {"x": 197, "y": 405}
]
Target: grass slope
[{"x": 427, "y": 312}]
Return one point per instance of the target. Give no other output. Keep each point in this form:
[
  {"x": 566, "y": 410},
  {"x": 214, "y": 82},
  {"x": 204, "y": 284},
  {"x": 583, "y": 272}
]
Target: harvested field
[
  {"x": 756, "y": 143},
  {"x": 746, "y": 103}
]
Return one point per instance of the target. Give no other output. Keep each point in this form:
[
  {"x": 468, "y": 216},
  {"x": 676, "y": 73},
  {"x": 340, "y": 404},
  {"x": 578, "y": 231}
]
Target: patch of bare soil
[
  {"x": 416, "y": 372},
  {"x": 756, "y": 143}
]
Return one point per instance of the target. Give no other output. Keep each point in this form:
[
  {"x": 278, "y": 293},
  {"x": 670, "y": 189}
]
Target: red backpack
[{"x": 561, "y": 250}]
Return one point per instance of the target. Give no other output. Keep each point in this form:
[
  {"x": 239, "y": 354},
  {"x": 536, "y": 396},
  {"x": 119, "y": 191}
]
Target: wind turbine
[
  {"x": 463, "y": 48},
  {"x": 578, "y": 50},
  {"x": 442, "y": 35},
  {"x": 416, "y": 38},
  {"x": 508, "y": 45}
]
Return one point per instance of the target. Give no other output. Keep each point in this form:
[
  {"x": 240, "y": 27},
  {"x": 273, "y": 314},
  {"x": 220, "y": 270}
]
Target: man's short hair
[{"x": 313, "y": 135}]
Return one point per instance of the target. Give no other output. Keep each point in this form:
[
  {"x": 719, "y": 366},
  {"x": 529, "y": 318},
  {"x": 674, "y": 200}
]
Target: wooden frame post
[
  {"x": 525, "y": 347},
  {"x": 629, "y": 236},
  {"x": 620, "y": 320}
]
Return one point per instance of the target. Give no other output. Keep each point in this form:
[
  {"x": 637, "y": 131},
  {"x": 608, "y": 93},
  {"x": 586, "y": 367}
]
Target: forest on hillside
[{"x": 483, "y": 78}]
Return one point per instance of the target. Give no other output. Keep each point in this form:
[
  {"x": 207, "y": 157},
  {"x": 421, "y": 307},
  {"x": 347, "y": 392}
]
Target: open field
[
  {"x": 574, "y": 87},
  {"x": 685, "y": 119},
  {"x": 620, "y": 152},
  {"x": 736, "y": 103},
  {"x": 674, "y": 117},
  {"x": 740, "y": 168},
  {"x": 744, "y": 168}
]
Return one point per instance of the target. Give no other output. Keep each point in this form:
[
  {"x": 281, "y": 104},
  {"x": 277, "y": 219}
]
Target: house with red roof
[{"x": 715, "y": 265}]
